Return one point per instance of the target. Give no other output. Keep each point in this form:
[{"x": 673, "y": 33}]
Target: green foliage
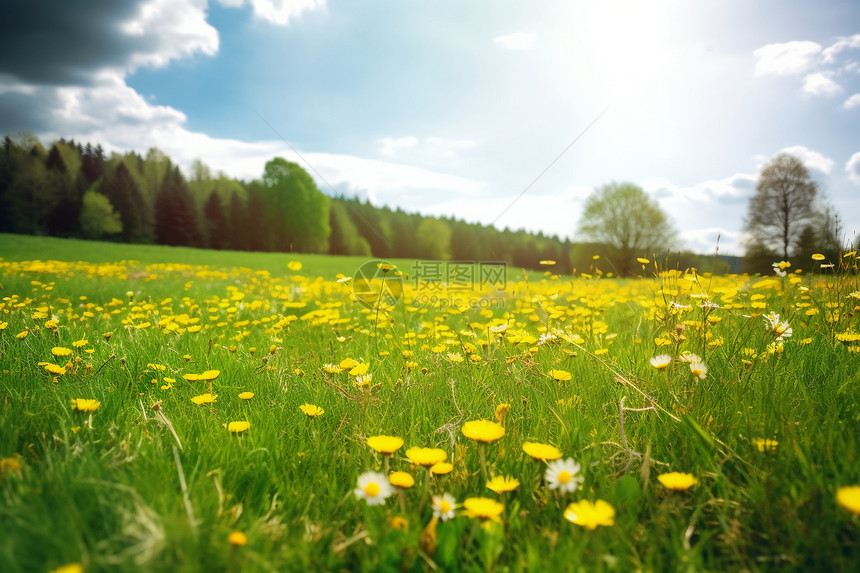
[
  {"x": 434, "y": 240},
  {"x": 298, "y": 211},
  {"x": 98, "y": 219},
  {"x": 624, "y": 217}
]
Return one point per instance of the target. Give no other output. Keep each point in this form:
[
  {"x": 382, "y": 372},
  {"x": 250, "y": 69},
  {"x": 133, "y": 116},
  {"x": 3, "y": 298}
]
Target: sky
[{"x": 458, "y": 108}]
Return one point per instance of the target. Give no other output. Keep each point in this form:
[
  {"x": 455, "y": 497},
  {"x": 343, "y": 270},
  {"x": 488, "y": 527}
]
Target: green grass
[{"x": 106, "y": 489}]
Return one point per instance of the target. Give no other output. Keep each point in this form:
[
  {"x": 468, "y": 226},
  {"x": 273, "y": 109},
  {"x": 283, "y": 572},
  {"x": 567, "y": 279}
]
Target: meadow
[{"x": 176, "y": 409}]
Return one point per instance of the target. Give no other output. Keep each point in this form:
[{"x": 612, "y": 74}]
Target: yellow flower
[
  {"x": 560, "y": 375},
  {"x": 502, "y": 411},
  {"x": 384, "y": 444},
  {"x": 61, "y": 351},
  {"x": 70, "y": 568},
  {"x": 590, "y": 515},
  {"x": 541, "y": 451},
  {"x": 205, "y": 376},
  {"x": 23, "y": 334},
  {"x": 385, "y": 267},
  {"x": 359, "y": 370},
  {"x": 849, "y": 498},
  {"x": 401, "y": 479},
  {"x": 85, "y": 404},
  {"x": 547, "y": 262},
  {"x": 11, "y": 465},
  {"x": 763, "y": 444},
  {"x": 441, "y": 468},
  {"x": 501, "y": 484},
  {"x": 311, "y": 411},
  {"x": 677, "y": 481},
  {"x": 238, "y": 427},
  {"x": 246, "y": 395},
  {"x": 817, "y": 257},
  {"x": 483, "y": 508},
  {"x": 206, "y": 398},
  {"x": 642, "y": 260},
  {"x": 237, "y": 538},
  {"x": 294, "y": 265},
  {"x": 426, "y": 456},
  {"x": 54, "y": 369},
  {"x": 348, "y": 364},
  {"x": 80, "y": 343},
  {"x": 483, "y": 430}
]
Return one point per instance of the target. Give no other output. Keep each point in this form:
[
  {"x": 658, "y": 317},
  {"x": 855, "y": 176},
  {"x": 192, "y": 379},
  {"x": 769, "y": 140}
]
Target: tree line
[{"x": 78, "y": 190}]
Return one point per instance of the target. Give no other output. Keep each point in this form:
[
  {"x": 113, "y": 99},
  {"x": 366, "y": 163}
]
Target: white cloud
[
  {"x": 853, "y": 168},
  {"x": 707, "y": 240},
  {"x": 277, "y": 11},
  {"x": 820, "y": 83},
  {"x": 810, "y": 158},
  {"x": 852, "y": 101},
  {"x": 390, "y": 144},
  {"x": 786, "y": 59},
  {"x": 515, "y": 41},
  {"x": 734, "y": 187},
  {"x": 840, "y": 45},
  {"x": 173, "y": 30}
]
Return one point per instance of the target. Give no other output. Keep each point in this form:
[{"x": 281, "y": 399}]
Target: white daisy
[
  {"x": 660, "y": 362},
  {"x": 443, "y": 506},
  {"x": 698, "y": 369},
  {"x": 564, "y": 475},
  {"x": 373, "y": 487}
]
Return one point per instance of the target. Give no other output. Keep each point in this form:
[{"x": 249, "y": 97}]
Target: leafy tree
[
  {"x": 176, "y": 218},
  {"x": 344, "y": 239},
  {"x": 124, "y": 193},
  {"x": 783, "y": 204},
  {"x": 434, "y": 239},
  {"x": 622, "y": 216},
  {"x": 299, "y": 211},
  {"x": 217, "y": 228},
  {"x": 98, "y": 218},
  {"x": 238, "y": 223}
]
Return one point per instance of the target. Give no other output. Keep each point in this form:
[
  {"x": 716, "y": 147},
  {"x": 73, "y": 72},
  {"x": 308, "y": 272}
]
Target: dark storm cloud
[
  {"x": 30, "y": 112},
  {"x": 50, "y": 42}
]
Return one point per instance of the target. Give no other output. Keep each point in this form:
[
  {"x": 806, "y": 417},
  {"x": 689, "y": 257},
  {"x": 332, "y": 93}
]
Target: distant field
[{"x": 171, "y": 409}]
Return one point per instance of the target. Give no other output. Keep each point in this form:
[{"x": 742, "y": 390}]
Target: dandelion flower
[
  {"x": 373, "y": 488},
  {"x": 23, "y": 334},
  {"x": 401, "y": 479},
  {"x": 85, "y": 404},
  {"x": 54, "y": 369},
  {"x": 205, "y": 376},
  {"x": 294, "y": 265},
  {"x": 238, "y": 427},
  {"x": 563, "y": 475},
  {"x": 483, "y": 430},
  {"x": 69, "y": 568},
  {"x": 677, "y": 481},
  {"x": 80, "y": 343},
  {"x": 763, "y": 444},
  {"x": 547, "y": 262},
  {"x": 311, "y": 411},
  {"x": 483, "y": 508},
  {"x": 502, "y": 411},
  {"x": 661, "y": 361},
  {"x": 237, "y": 538},
  {"x": 849, "y": 498},
  {"x": 206, "y": 398},
  {"x": 385, "y": 267},
  {"x": 246, "y": 395},
  {"x": 560, "y": 375},
  {"x": 443, "y": 506},
  {"x": 541, "y": 452},
  {"x": 426, "y": 456},
  {"x": 642, "y": 260},
  {"x": 384, "y": 444},
  {"x": 817, "y": 257},
  {"x": 502, "y": 484},
  {"x": 441, "y": 468},
  {"x": 60, "y": 351},
  {"x": 590, "y": 515}
]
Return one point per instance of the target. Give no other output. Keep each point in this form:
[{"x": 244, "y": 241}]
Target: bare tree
[{"x": 784, "y": 203}]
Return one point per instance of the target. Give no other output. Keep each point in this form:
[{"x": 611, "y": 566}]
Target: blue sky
[{"x": 454, "y": 108}]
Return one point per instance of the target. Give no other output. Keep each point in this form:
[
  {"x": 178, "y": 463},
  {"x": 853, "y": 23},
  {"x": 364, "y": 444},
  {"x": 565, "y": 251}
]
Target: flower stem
[{"x": 483, "y": 458}]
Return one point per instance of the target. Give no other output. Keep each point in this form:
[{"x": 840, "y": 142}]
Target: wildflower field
[{"x": 209, "y": 411}]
